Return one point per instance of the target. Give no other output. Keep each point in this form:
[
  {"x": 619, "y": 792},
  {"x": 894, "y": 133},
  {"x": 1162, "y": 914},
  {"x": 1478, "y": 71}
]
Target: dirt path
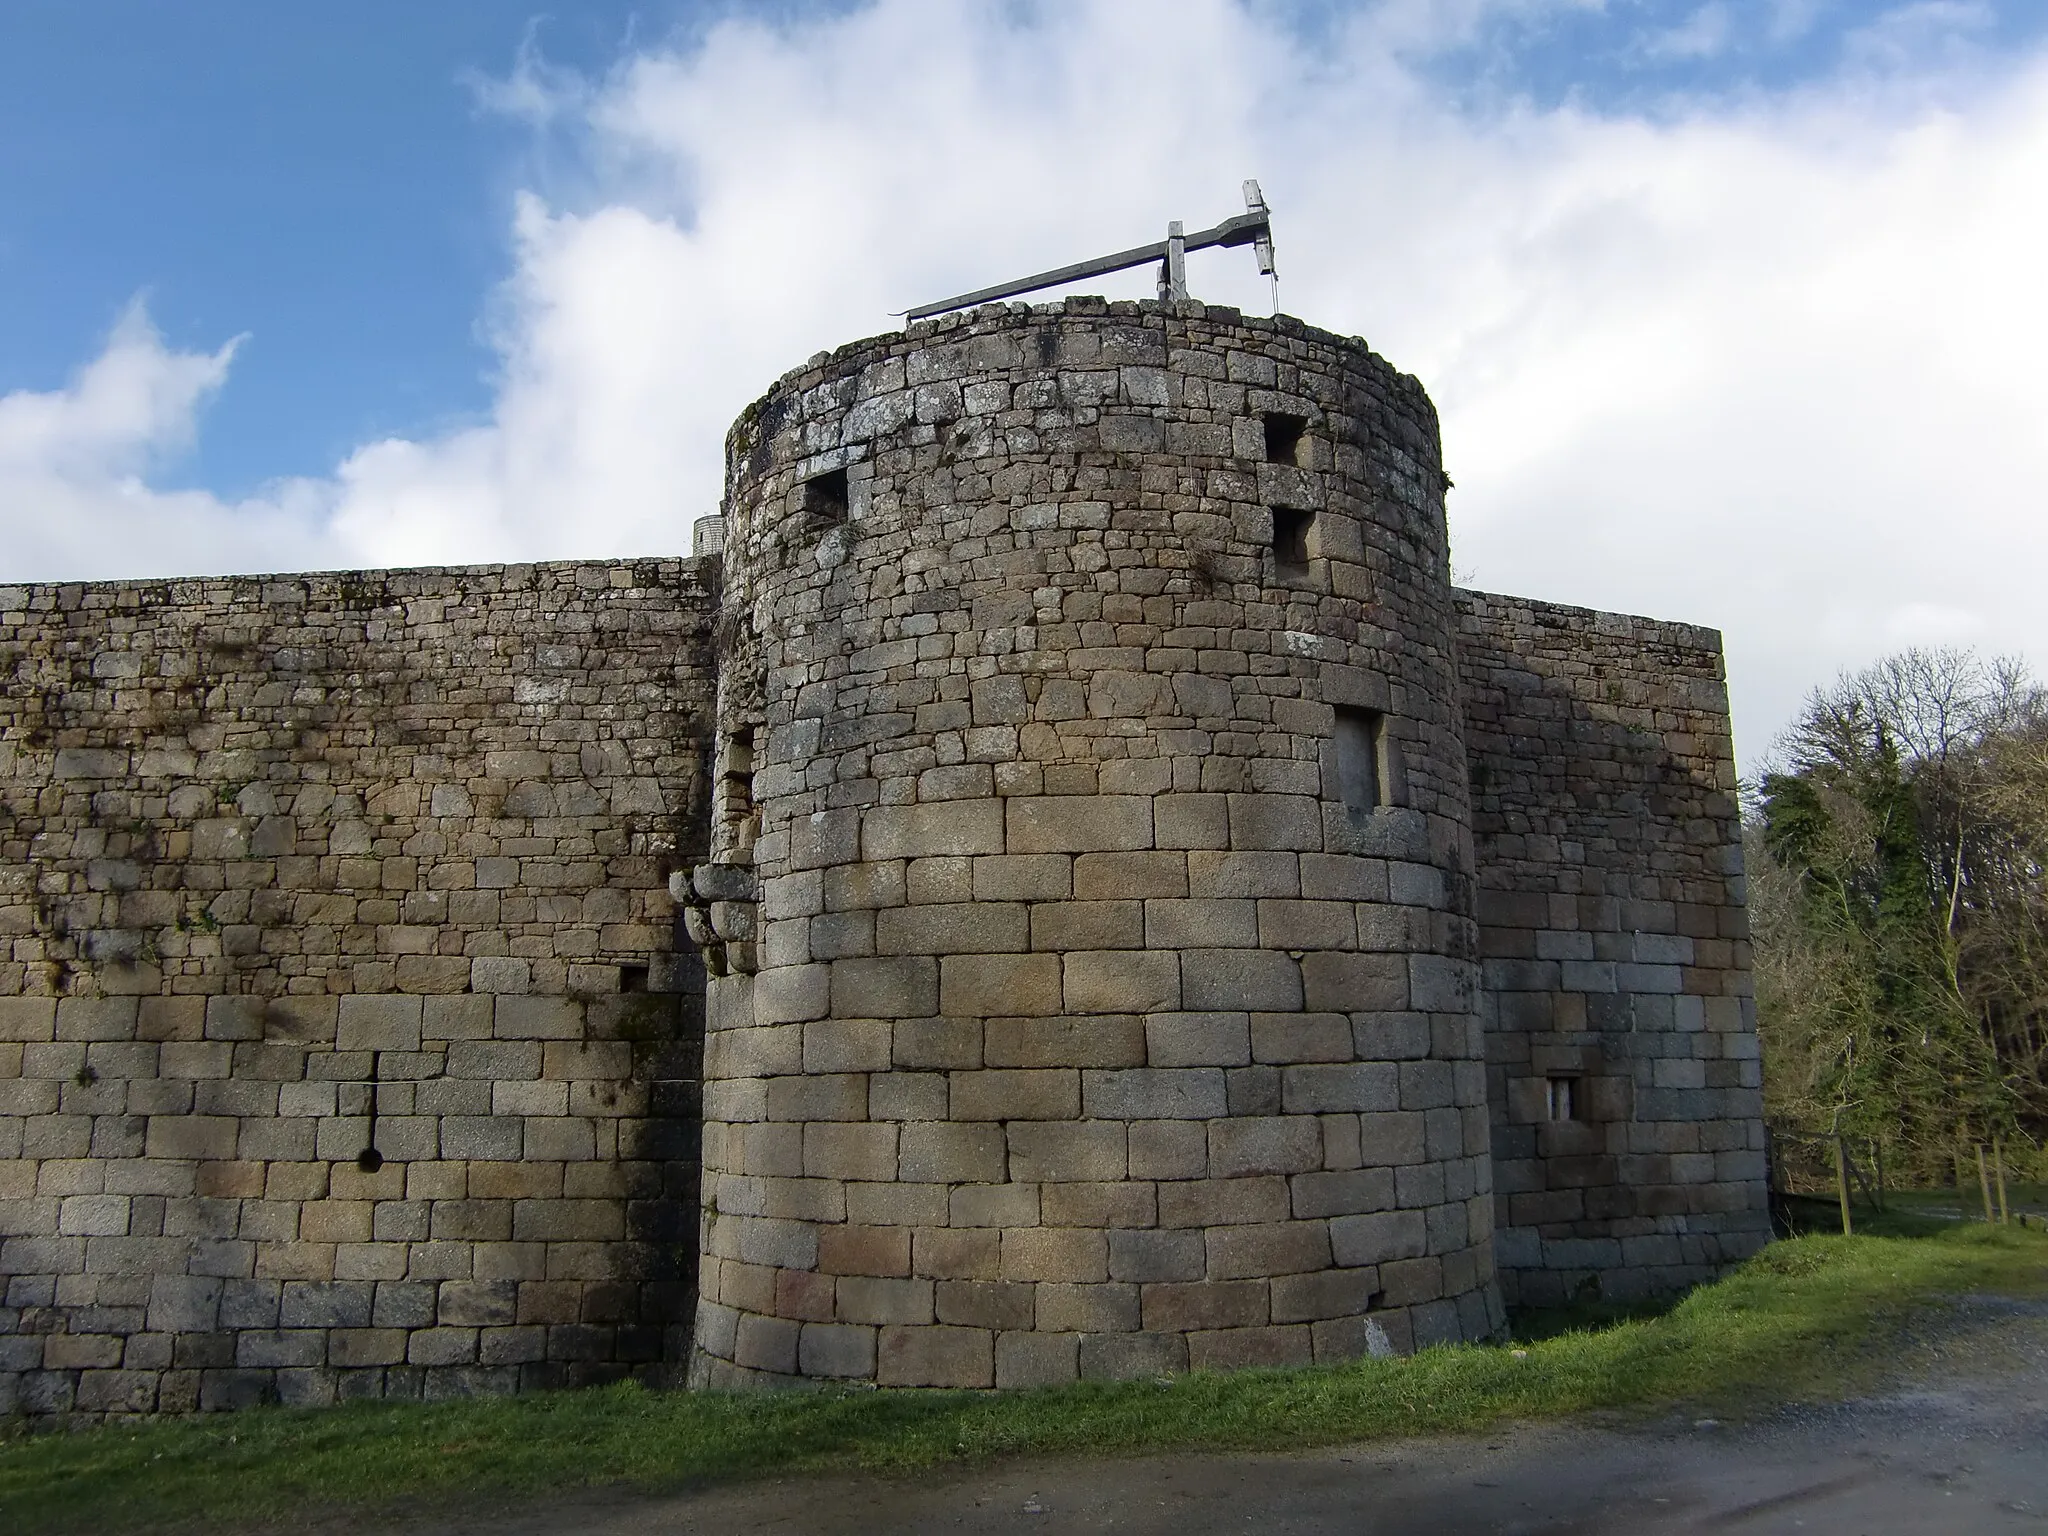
[{"x": 1961, "y": 1447}]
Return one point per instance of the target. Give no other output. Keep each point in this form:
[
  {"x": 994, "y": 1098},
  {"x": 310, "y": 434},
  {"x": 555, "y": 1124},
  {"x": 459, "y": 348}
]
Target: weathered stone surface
[
  {"x": 1079, "y": 1004},
  {"x": 311, "y": 834}
]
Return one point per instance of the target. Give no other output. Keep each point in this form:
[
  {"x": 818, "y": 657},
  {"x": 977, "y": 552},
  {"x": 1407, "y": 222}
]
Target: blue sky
[
  {"x": 316, "y": 176},
  {"x": 325, "y": 180},
  {"x": 1725, "y": 302}
]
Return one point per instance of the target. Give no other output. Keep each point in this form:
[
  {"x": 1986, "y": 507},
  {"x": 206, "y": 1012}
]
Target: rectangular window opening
[
  {"x": 1561, "y": 1098},
  {"x": 1286, "y": 437},
  {"x": 1361, "y": 758},
  {"x": 632, "y": 978},
  {"x": 736, "y": 809},
  {"x": 825, "y": 497},
  {"x": 1291, "y": 529}
]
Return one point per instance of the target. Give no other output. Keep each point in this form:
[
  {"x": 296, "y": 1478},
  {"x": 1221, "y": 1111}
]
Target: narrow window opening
[
  {"x": 1285, "y": 439},
  {"x": 1291, "y": 528},
  {"x": 1561, "y": 1098},
  {"x": 737, "y": 813},
  {"x": 632, "y": 978},
  {"x": 825, "y": 497},
  {"x": 1361, "y": 759}
]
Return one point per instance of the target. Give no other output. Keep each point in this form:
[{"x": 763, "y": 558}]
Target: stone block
[
  {"x": 1342, "y": 1192},
  {"x": 1244, "y": 874},
  {"x": 1130, "y": 876},
  {"x": 1155, "y": 1256},
  {"x": 875, "y": 1300},
  {"x": 1121, "y": 981},
  {"x": 1286, "y": 1038},
  {"x": 537, "y": 1018},
  {"x": 1236, "y": 1349},
  {"x": 379, "y": 1024},
  {"x": 951, "y": 827},
  {"x": 1342, "y": 983},
  {"x": 818, "y": 1096},
  {"x": 1061, "y": 1041},
  {"x": 1227, "y": 979},
  {"x": 1176, "y": 1307},
  {"x": 836, "y": 1350},
  {"x": 1077, "y": 824},
  {"x": 988, "y": 985},
  {"x": 1025, "y": 1360},
  {"x": 840, "y": 1045},
  {"x": 1048, "y": 1094},
  {"x": 1202, "y": 924},
  {"x": 954, "y": 1254},
  {"x": 898, "y": 988},
  {"x": 985, "y": 1303},
  {"x": 1072, "y": 1254},
  {"x": 1191, "y": 821},
  {"x": 1223, "y": 1202},
  {"x": 936, "y": 1356},
  {"x": 767, "y": 1344},
  {"x": 1340, "y": 1088},
  {"x": 1132, "y": 1356},
  {"x": 994, "y": 1205},
  {"x": 1086, "y": 1150},
  {"x": 1282, "y": 1144},
  {"x": 1378, "y": 1238},
  {"x": 959, "y": 928},
  {"x": 855, "y": 1150},
  {"x": 943, "y": 1153},
  {"x": 1088, "y": 925},
  {"x": 1155, "y": 1093},
  {"x": 1197, "y": 1039},
  {"x": 1275, "y": 1248},
  {"x": 938, "y": 1044},
  {"x": 1022, "y": 877}
]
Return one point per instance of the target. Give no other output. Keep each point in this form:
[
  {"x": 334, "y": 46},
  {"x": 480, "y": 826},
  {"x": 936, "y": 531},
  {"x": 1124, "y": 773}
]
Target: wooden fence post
[
  {"x": 1984, "y": 1182},
  {"x": 1998, "y": 1162},
  {"x": 1842, "y": 1186}
]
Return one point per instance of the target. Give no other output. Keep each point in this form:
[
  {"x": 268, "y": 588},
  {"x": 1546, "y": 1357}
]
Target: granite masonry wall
[
  {"x": 344, "y": 1047},
  {"x": 1127, "y": 912},
  {"x": 1092, "y": 733},
  {"x": 1622, "y": 1056}
]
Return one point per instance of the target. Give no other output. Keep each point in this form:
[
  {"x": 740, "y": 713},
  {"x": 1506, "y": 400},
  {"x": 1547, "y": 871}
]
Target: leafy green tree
[{"x": 1897, "y": 850}]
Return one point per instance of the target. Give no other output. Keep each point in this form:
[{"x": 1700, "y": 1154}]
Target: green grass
[{"x": 1810, "y": 1317}]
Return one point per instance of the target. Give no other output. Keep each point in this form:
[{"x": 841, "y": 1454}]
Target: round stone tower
[{"x": 1089, "y": 909}]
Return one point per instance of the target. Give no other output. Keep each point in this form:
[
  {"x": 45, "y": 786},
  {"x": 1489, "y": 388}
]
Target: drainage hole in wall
[{"x": 369, "y": 1160}]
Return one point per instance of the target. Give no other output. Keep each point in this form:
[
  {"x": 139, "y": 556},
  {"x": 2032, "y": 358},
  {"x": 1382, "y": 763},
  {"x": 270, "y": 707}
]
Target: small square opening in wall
[
  {"x": 1361, "y": 758},
  {"x": 825, "y": 497},
  {"x": 1291, "y": 530},
  {"x": 632, "y": 978},
  {"x": 1286, "y": 438},
  {"x": 1561, "y": 1098}
]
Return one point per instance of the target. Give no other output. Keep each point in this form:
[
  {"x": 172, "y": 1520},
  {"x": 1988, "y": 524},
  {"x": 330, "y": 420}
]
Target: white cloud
[
  {"x": 1704, "y": 34},
  {"x": 1770, "y": 365},
  {"x": 75, "y": 464}
]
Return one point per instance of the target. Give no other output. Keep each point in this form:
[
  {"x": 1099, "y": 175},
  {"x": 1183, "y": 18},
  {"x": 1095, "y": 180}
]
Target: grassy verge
[{"x": 1798, "y": 1320}]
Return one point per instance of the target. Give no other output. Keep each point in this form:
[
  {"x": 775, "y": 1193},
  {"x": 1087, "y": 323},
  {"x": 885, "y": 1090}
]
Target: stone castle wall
[
  {"x": 1153, "y": 922},
  {"x": 1621, "y": 1043},
  {"x": 295, "y": 868},
  {"x": 1106, "y": 1021}
]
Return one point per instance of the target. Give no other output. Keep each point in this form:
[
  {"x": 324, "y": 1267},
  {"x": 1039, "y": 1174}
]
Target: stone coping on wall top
[
  {"x": 990, "y": 317},
  {"x": 1664, "y": 631},
  {"x": 249, "y": 585}
]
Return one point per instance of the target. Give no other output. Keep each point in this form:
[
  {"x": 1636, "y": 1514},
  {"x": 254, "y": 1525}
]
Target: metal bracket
[{"x": 1254, "y": 228}]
